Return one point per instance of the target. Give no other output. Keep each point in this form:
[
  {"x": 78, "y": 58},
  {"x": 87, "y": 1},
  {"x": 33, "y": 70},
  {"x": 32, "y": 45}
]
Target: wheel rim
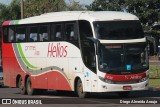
[
  {"x": 29, "y": 86},
  {"x": 80, "y": 88},
  {"x": 21, "y": 87}
]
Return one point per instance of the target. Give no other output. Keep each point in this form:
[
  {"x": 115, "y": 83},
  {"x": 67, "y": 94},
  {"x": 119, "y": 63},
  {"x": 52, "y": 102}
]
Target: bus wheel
[
  {"x": 123, "y": 94},
  {"x": 21, "y": 87},
  {"x": 30, "y": 90},
  {"x": 79, "y": 90}
]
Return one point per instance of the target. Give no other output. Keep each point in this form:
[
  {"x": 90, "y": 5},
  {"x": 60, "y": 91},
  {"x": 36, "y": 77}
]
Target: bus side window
[
  {"x": 5, "y": 35},
  {"x": 43, "y": 34},
  {"x": 85, "y": 29},
  {"x": 88, "y": 49},
  {"x": 20, "y": 34},
  {"x": 11, "y": 34},
  {"x": 33, "y": 34},
  {"x": 70, "y": 32},
  {"x": 58, "y": 32}
]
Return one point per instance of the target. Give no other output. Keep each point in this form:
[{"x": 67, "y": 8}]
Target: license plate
[{"x": 127, "y": 87}]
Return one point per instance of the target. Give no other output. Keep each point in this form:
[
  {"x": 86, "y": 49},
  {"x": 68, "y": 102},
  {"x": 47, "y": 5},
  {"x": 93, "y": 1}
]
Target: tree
[
  {"x": 10, "y": 12},
  {"x": 148, "y": 11},
  {"x": 4, "y": 13},
  {"x": 104, "y": 5},
  {"x": 15, "y": 10},
  {"x": 37, "y": 7},
  {"x": 73, "y": 6}
]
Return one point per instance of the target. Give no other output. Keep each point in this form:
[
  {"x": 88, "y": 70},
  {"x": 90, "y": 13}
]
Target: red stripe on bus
[
  {"x": 124, "y": 78},
  {"x": 6, "y": 23}
]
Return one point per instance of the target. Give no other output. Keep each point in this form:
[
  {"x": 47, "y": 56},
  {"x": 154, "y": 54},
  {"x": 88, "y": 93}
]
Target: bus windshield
[
  {"x": 118, "y": 30},
  {"x": 123, "y": 58}
]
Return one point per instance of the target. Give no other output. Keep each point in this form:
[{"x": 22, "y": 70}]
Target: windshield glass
[
  {"x": 118, "y": 30},
  {"x": 126, "y": 58}
]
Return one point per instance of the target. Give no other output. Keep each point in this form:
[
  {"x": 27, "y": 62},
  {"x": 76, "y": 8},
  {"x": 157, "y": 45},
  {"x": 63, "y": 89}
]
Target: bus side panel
[
  {"x": 10, "y": 65},
  {"x": 40, "y": 81},
  {"x": 58, "y": 81},
  {"x": 6, "y": 71}
]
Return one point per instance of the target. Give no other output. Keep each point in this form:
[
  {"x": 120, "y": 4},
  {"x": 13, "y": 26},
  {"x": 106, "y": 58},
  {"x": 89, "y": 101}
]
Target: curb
[{"x": 154, "y": 89}]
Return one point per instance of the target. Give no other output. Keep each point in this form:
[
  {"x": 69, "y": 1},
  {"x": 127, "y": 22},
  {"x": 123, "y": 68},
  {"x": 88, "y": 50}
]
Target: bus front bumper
[{"x": 105, "y": 87}]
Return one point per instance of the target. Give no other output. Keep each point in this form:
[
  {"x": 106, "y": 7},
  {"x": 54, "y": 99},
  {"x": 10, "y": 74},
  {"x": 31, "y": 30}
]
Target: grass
[
  {"x": 154, "y": 72},
  {"x": 154, "y": 83},
  {"x": 154, "y": 76}
]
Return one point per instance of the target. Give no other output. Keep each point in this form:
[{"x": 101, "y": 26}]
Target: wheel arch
[
  {"x": 26, "y": 77},
  {"x": 75, "y": 82},
  {"x": 17, "y": 79}
]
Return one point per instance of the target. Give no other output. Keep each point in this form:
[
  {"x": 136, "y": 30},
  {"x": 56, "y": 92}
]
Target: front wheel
[
  {"x": 30, "y": 90},
  {"x": 80, "y": 92},
  {"x": 21, "y": 86}
]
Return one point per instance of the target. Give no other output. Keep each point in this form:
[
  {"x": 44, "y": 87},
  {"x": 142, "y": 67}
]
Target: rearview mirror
[
  {"x": 153, "y": 41},
  {"x": 97, "y": 43}
]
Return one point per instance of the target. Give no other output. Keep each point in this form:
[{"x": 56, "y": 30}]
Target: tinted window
[
  {"x": 20, "y": 34},
  {"x": 5, "y": 34},
  {"x": 70, "y": 32},
  {"x": 43, "y": 33},
  {"x": 33, "y": 34},
  {"x": 85, "y": 29},
  {"x": 11, "y": 34},
  {"x": 118, "y": 30},
  {"x": 58, "y": 32}
]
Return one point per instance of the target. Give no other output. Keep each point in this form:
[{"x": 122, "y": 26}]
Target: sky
[{"x": 87, "y": 2}]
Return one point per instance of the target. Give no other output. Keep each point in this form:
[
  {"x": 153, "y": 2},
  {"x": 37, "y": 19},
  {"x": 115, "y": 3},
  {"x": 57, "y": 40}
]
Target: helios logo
[
  {"x": 56, "y": 50},
  {"x": 133, "y": 77}
]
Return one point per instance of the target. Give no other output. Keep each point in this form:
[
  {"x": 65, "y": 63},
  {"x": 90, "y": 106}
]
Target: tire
[
  {"x": 79, "y": 90},
  {"x": 22, "y": 88},
  {"x": 30, "y": 90},
  {"x": 124, "y": 94}
]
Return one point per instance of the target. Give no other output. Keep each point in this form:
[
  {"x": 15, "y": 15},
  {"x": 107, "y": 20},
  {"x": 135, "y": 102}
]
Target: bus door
[{"x": 87, "y": 79}]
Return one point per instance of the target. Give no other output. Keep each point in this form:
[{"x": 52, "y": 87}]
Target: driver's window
[
  {"x": 88, "y": 49},
  {"x": 85, "y": 29}
]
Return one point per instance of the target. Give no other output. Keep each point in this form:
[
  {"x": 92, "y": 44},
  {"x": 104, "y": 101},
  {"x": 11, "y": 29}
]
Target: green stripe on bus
[
  {"x": 24, "y": 58},
  {"x": 16, "y": 22}
]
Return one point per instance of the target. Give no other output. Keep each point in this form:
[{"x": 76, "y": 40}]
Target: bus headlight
[
  {"x": 143, "y": 79},
  {"x": 105, "y": 80}
]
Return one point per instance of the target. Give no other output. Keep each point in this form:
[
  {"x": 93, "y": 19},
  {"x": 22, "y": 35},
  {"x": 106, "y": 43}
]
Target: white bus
[{"x": 81, "y": 51}]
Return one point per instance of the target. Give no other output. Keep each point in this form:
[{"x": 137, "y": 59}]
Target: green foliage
[
  {"x": 154, "y": 83},
  {"x": 154, "y": 71},
  {"x": 37, "y": 7},
  {"x": 148, "y": 11},
  {"x": 10, "y": 12},
  {"x": 4, "y": 11},
  {"x": 14, "y": 10},
  {"x": 73, "y": 6}
]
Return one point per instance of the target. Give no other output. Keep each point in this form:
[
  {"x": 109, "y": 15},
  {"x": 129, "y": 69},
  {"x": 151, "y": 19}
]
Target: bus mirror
[
  {"x": 97, "y": 47},
  {"x": 153, "y": 41},
  {"x": 97, "y": 43}
]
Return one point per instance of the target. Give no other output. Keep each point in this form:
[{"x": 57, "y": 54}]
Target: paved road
[{"x": 69, "y": 99}]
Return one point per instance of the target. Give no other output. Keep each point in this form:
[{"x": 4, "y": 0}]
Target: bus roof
[{"x": 74, "y": 15}]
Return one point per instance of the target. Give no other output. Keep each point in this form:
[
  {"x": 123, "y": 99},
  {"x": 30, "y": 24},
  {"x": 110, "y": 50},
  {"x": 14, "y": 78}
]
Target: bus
[{"x": 80, "y": 51}]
